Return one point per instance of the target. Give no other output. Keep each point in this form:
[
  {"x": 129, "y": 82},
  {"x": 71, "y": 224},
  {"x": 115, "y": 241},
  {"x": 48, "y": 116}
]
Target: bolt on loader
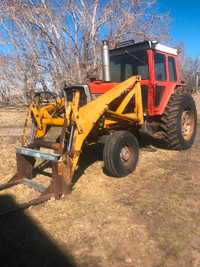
[{"x": 140, "y": 92}]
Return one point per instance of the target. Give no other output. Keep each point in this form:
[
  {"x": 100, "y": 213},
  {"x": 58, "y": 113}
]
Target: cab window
[
  {"x": 127, "y": 65},
  {"x": 160, "y": 67},
  {"x": 172, "y": 69}
]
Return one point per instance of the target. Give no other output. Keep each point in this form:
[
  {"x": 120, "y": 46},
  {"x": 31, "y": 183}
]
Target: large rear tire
[
  {"x": 179, "y": 121},
  {"x": 120, "y": 155}
]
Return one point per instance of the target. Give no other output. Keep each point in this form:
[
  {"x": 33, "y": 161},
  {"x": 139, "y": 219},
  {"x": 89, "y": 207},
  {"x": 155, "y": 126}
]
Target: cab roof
[{"x": 154, "y": 45}]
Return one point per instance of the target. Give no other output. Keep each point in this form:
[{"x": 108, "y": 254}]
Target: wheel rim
[
  {"x": 187, "y": 123},
  {"x": 126, "y": 154}
]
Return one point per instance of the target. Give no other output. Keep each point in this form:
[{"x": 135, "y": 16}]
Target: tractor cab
[
  {"x": 155, "y": 63},
  {"x": 157, "y": 66}
]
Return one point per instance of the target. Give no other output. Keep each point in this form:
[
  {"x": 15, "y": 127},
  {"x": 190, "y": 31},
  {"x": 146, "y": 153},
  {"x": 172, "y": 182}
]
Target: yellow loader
[{"x": 104, "y": 116}]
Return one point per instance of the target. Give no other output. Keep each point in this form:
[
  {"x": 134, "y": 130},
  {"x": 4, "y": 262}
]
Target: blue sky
[{"x": 186, "y": 23}]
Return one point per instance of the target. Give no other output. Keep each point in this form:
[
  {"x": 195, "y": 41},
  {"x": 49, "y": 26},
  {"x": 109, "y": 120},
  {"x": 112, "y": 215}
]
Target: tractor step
[
  {"x": 37, "y": 154},
  {"x": 32, "y": 184}
]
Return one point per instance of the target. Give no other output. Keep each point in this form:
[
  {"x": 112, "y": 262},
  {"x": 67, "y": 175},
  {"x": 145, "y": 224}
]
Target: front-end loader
[{"x": 140, "y": 92}]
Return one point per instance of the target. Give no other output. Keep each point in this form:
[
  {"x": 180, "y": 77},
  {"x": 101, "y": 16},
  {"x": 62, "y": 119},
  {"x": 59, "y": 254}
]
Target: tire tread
[{"x": 170, "y": 121}]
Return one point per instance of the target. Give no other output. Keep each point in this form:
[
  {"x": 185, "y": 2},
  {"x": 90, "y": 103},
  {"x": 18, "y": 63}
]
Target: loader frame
[{"x": 94, "y": 119}]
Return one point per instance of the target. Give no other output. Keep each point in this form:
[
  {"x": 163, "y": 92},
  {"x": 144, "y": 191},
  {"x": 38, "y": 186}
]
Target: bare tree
[
  {"x": 188, "y": 68},
  {"x": 57, "y": 42}
]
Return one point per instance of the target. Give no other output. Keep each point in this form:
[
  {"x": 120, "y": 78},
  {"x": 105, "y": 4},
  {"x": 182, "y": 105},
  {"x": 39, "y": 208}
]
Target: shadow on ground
[
  {"x": 94, "y": 152},
  {"x": 145, "y": 141},
  {"x": 23, "y": 243},
  {"x": 90, "y": 154}
]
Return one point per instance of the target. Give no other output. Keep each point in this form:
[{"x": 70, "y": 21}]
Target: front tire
[
  {"x": 120, "y": 155},
  {"x": 180, "y": 121}
]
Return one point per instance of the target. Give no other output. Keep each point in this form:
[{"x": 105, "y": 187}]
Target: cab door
[
  {"x": 161, "y": 79},
  {"x": 165, "y": 80}
]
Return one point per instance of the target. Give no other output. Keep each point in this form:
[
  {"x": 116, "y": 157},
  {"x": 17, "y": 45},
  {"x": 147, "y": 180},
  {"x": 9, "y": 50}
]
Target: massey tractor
[{"x": 140, "y": 92}]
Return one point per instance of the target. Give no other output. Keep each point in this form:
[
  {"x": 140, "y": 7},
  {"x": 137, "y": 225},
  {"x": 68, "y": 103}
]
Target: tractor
[
  {"x": 141, "y": 92},
  {"x": 168, "y": 108}
]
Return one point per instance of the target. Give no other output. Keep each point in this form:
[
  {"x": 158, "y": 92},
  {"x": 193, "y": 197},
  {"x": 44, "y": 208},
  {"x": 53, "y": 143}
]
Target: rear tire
[
  {"x": 120, "y": 155},
  {"x": 180, "y": 121}
]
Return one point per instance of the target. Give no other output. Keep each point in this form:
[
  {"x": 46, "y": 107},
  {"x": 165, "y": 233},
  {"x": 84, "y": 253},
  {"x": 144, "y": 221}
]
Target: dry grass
[
  {"x": 12, "y": 117},
  {"x": 149, "y": 218}
]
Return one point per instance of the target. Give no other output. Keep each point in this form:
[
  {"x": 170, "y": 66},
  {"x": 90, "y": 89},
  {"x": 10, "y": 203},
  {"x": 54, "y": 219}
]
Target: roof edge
[{"x": 166, "y": 49}]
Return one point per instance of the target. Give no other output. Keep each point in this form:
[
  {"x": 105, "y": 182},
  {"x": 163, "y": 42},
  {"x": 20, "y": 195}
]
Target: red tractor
[{"x": 169, "y": 110}]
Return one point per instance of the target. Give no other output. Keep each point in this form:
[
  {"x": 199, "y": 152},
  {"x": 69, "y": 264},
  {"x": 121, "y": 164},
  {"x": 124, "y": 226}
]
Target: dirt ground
[{"x": 149, "y": 218}]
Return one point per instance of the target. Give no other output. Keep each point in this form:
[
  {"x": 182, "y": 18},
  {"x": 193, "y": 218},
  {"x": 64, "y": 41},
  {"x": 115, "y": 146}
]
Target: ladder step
[
  {"x": 41, "y": 188},
  {"x": 37, "y": 153}
]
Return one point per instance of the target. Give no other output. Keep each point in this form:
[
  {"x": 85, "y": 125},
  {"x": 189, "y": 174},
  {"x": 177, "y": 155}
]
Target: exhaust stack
[{"x": 105, "y": 61}]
